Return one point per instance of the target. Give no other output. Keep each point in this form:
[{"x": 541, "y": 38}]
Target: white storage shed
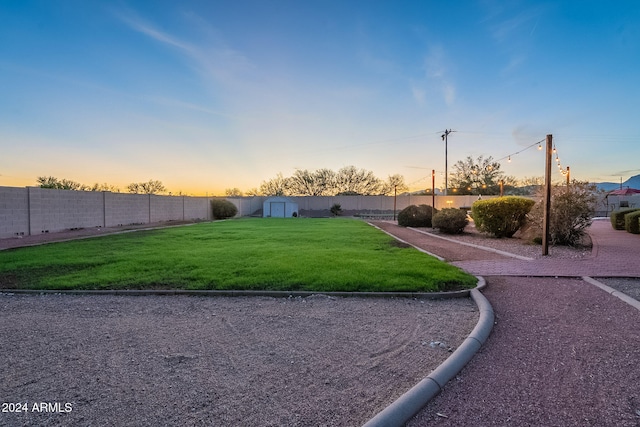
[{"x": 279, "y": 207}]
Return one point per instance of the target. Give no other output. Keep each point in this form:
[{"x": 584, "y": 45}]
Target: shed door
[{"x": 277, "y": 209}]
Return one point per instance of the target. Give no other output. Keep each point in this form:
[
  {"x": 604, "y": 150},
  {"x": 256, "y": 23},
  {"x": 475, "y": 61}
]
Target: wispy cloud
[
  {"x": 211, "y": 57},
  {"x": 436, "y": 66}
]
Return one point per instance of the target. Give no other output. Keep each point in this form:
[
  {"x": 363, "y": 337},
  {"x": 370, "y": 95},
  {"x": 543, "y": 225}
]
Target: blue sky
[{"x": 207, "y": 95}]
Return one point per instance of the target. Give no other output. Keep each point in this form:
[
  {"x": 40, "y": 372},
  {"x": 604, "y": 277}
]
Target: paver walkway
[{"x": 562, "y": 352}]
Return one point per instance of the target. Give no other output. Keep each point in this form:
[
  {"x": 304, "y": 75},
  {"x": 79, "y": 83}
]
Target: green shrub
[
  {"x": 501, "y": 217},
  {"x": 632, "y": 222},
  {"x": 617, "y": 218},
  {"x": 450, "y": 220},
  {"x": 416, "y": 216},
  {"x": 222, "y": 209},
  {"x": 572, "y": 210},
  {"x": 336, "y": 209}
]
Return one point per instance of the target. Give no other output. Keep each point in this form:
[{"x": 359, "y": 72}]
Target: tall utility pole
[
  {"x": 547, "y": 197},
  {"x": 446, "y": 168}
]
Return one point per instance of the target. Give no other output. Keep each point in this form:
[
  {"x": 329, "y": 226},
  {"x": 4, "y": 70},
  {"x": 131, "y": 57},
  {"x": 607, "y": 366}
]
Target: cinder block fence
[{"x": 34, "y": 210}]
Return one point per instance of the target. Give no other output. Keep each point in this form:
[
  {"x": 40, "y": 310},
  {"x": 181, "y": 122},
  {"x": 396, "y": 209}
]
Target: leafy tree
[
  {"x": 253, "y": 192},
  {"x": 480, "y": 176},
  {"x": 149, "y": 187}
]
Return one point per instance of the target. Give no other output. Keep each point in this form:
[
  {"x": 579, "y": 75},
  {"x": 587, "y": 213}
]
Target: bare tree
[
  {"x": 64, "y": 184},
  {"x": 393, "y": 184},
  {"x": 149, "y": 187},
  {"x": 278, "y": 186},
  {"x": 353, "y": 181},
  {"x": 104, "y": 187},
  {"x": 306, "y": 183},
  {"x": 233, "y": 192}
]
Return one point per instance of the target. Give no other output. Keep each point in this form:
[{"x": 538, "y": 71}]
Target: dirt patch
[{"x": 178, "y": 360}]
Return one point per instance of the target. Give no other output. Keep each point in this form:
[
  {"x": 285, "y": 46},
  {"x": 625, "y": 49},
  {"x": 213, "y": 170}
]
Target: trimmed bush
[
  {"x": 450, "y": 220},
  {"x": 223, "y": 209},
  {"x": 336, "y": 209},
  {"x": 501, "y": 217},
  {"x": 416, "y": 216},
  {"x": 617, "y": 218},
  {"x": 632, "y": 222}
]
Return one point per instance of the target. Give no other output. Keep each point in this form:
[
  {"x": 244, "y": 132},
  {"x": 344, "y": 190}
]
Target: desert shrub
[
  {"x": 501, "y": 217},
  {"x": 222, "y": 209},
  {"x": 572, "y": 210},
  {"x": 450, "y": 220},
  {"x": 617, "y": 218},
  {"x": 416, "y": 216},
  {"x": 632, "y": 222},
  {"x": 336, "y": 209}
]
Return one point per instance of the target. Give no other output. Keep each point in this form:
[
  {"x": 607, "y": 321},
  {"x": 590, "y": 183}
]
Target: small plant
[
  {"x": 450, "y": 220},
  {"x": 336, "y": 209},
  {"x": 416, "y": 216},
  {"x": 223, "y": 209},
  {"x": 632, "y": 222},
  {"x": 501, "y": 217}
]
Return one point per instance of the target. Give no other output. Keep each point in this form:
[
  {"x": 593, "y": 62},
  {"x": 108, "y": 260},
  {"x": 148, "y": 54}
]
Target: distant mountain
[{"x": 633, "y": 182}]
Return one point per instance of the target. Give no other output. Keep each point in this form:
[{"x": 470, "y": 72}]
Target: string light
[
  {"x": 539, "y": 144},
  {"x": 508, "y": 157}
]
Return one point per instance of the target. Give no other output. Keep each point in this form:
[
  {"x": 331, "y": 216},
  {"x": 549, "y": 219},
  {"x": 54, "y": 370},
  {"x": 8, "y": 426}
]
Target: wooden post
[
  {"x": 433, "y": 193},
  {"x": 395, "y": 196},
  {"x": 568, "y": 176},
  {"x": 547, "y": 198}
]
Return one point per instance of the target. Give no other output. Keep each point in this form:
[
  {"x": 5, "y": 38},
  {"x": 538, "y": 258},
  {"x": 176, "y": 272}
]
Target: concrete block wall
[
  {"x": 57, "y": 210},
  {"x": 14, "y": 212},
  {"x": 34, "y": 210},
  {"x": 197, "y": 208},
  {"x": 167, "y": 208},
  {"x": 126, "y": 209}
]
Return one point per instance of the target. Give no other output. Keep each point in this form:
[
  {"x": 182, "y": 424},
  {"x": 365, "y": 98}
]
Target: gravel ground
[
  {"x": 629, "y": 286},
  {"x": 556, "y": 357},
  {"x": 178, "y": 360},
  {"x": 515, "y": 245}
]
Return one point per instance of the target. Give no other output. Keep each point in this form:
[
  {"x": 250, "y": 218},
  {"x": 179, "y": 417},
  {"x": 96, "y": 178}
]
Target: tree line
[
  {"x": 149, "y": 187},
  {"x": 347, "y": 181}
]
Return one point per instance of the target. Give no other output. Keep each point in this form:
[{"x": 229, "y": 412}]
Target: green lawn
[{"x": 272, "y": 254}]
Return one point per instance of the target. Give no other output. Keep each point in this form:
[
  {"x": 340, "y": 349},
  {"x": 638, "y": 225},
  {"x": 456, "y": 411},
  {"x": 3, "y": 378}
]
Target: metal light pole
[{"x": 446, "y": 168}]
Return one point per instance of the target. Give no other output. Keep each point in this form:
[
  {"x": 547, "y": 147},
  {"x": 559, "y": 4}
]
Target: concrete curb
[
  {"x": 231, "y": 293},
  {"x": 484, "y": 248},
  {"x": 407, "y": 243},
  {"x": 613, "y": 292},
  {"x": 411, "y": 402}
]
